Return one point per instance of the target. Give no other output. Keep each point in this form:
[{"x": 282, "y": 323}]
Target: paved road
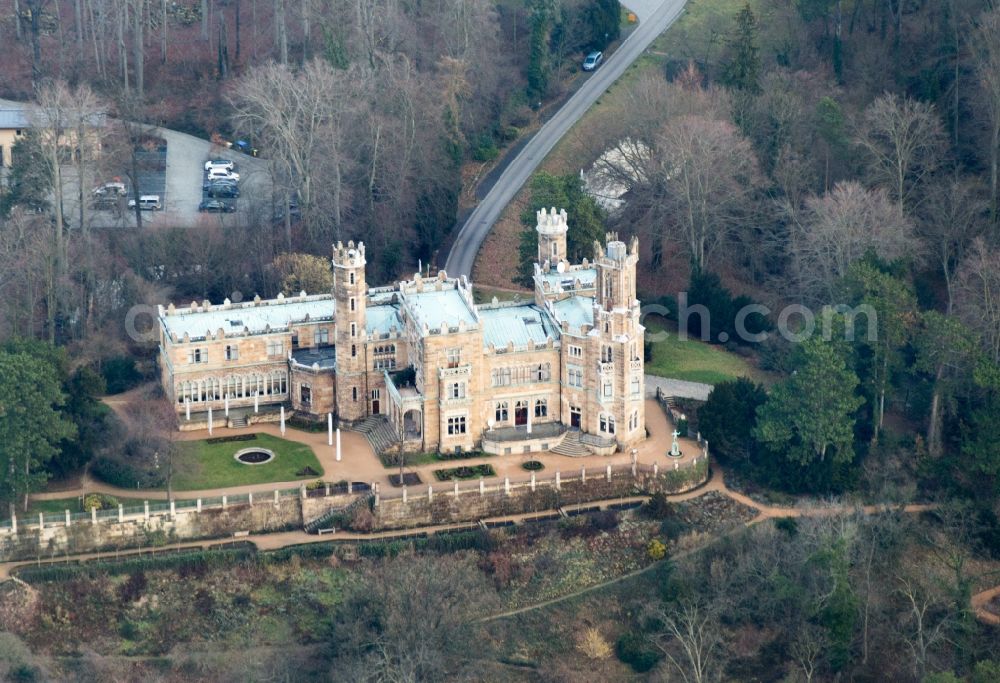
[{"x": 654, "y": 17}]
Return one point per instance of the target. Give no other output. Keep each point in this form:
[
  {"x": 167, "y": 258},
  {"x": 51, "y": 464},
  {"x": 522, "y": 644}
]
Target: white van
[{"x": 147, "y": 202}]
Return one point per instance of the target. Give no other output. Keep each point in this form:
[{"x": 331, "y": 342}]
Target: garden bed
[
  {"x": 408, "y": 479},
  {"x": 533, "y": 466},
  {"x": 205, "y": 465},
  {"x": 465, "y": 472}
]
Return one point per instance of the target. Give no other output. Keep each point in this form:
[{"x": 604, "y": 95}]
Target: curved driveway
[{"x": 655, "y": 16}]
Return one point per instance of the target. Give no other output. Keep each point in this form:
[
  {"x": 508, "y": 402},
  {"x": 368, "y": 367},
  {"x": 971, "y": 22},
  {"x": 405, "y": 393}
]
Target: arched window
[
  {"x": 606, "y": 354},
  {"x": 501, "y": 414}
]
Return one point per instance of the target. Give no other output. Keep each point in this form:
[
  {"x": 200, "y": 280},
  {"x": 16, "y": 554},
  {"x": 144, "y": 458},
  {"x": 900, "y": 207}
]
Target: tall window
[
  {"x": 305, "y": 391},
  {"x": 456, "y": 425},
  {"x": 606, "y": 354},
  {"x": 275, "y": 348},
  {"x": 354, "y": 393},
  {"x": 502, "y": 412},
  {"x": 232, "y": 352},
  {"x": 608, "y": 424},
  {"x": 454, "y": 357},
  {"x": 575, "y": 378},
  {"x": 351, "y": 278},
  {"x": 541, "y": 408},
  {"x": 576, "y": 352},
  {"x": 352, "y": 303},
  {"x": 608, "y": 390},
  {"x": 354, "y": 350},
  {"x": 635, "y": 386},
  {"x": 456, "y": 390},
  {"x": 198, "y": 356},
  {"x": 354, "y": 329},
  {"x": 321, "y": 336}
]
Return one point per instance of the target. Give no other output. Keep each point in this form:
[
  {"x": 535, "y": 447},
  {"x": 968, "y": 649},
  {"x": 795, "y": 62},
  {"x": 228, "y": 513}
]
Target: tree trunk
[
  {"x": 78, "y": 18},
  {"x": 237, "y": 31},
  {"x": 204, "y": 19},
  {"x": 17, "y": 19},
  {"x": 163, "y": 34},
  {"x": 281, "y": 31},
  {"x": 934, "y": 423},
  {"x": 305, "y": 31},
  {"x": 138, "y": 43},
  {"x": 36, "y": 49}
]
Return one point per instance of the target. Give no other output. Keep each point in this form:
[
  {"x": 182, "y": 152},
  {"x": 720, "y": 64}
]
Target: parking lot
[{"x": 173, "y": 168}]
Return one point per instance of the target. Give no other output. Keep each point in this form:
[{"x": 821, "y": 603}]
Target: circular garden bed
[
  {"x": 533, "y": 465},
  {"x": 254, "y": 456}
]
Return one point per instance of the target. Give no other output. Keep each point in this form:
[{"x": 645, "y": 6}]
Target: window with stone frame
[
  {"x": 456, "y": 390},
  {"x": 454, "y": 357},
  {"x": 502, "y": 412},
  {"x": 321, "y": 336},
  {"x": 232, "y": 352},
  {"x": 275, "y": 348},
  {"x": 456, "y": 425},
  {"x": 574, "y": 375},
  {"x": 541, "y": 408},
  {"x": 607, "y": 423}
]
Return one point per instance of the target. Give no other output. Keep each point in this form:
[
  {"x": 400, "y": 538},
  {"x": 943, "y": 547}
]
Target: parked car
[
  {"x": 220, "y": 163},
  {"x": 220, "y": 173},
  {"x": 209, "y": 183},
  {"x": 147, "y": 202},
  {"x": 225, "y": 190},
  {"x": 110, "y": 189},
  {"x": 217, "y": 206},
  {"x": 593, "y": 60}
]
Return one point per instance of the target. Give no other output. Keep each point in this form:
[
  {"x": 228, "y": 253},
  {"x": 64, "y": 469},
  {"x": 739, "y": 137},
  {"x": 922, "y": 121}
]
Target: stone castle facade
[{"x": 446, "y": 373}]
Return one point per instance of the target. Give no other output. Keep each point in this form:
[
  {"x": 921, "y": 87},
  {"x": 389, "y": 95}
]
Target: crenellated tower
[
  {"x": 552, "y": 228},
  {"x": 620, "y": 337},
  {"x": 350, "y": 293}
]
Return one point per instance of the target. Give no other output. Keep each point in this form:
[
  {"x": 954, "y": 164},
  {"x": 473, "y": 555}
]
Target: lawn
[
  {"x": 694, "y": 360},
  {"x": 202, "y": 465}
]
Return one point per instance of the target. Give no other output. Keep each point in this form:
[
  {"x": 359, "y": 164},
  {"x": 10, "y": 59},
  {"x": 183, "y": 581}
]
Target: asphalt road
[{"x": 654, "y": 17}]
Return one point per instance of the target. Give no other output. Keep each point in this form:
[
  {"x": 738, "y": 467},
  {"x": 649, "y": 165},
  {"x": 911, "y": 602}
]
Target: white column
[
  {"x": 225, "y": 398},
  {"x": 276, "y": 498},
  {"x": 326, "y": 490},
  {"x": 121, "y": 513},
  {"x": 282, "y": 420},
  {"x": 557, "y": 482},
  {"x": 456, "y": 488},
  {"x": 187, "y": 409},
  {"x": 583, "y": 474},
  {"x": 656, "y": 469},
  {"x": 338, "y": 444},
  {"x": 482, "y": 487},
  {"x": 350, "y": 486},
  {"x": 13, "y": 524},
  {"x": 506, "y": 485},
  {"x": 224, "y": 501},
  {"x": 404, "y": 494},
  {"x": 329, "y": 429},
  {"x": 609, "y": 472},
  {"x": 676, "y": 465},
  {"x": 532, "y": 482},
  {"x": 531, "y": 410},
  {"x": 93, "y": 516},
  {"x": 430, "y": 493},
  {"x": 41, "y": 521},
  {"x": 250, "y": 498},
  {"x": 199, "y": 506},
  {"x": 256, "y": 402},
  {"x": 67, "y": 519},
  {"x": 173, "y": 509},
  {"x": 145, "y": 511},
  {"x": 210, "y": 421}
]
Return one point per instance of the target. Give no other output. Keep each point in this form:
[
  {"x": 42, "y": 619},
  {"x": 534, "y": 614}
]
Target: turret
[
  {"x": 551, "y": 227},
  {"x": 350, "y": 292}
]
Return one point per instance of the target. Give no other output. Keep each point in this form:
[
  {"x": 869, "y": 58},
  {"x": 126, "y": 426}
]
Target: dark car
[
  {"x": 217, "y": 206},
  {"x": 209, "y": 182},
  {"x": 223, "y": 190}
]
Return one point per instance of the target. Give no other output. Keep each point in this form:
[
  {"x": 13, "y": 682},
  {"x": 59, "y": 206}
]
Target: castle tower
[
  {"x": 552, "y": 228},
  {"x": 349, "y": 295},
  {"x": 620, "y": 338}
]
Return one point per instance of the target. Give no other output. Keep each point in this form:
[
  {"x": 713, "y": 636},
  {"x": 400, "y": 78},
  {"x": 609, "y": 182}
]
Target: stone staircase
[
  {"x": 379, "y": 432},
  {"x": 328, "y": 518},
  {"x": 571, "y": 446},
  {"x": 238, "y": 422}
]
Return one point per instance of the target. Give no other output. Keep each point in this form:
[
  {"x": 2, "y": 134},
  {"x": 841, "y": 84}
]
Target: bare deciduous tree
[
  {"x": 838, "y": 229},
  {"x": 904, "y": 143},
  {"x": 977, "y": 293},
  {"x": 691, "y": 640},
  {"x": 986, "y": 43}
]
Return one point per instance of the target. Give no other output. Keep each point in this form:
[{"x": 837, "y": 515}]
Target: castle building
[{"x": 446, "y": 374}]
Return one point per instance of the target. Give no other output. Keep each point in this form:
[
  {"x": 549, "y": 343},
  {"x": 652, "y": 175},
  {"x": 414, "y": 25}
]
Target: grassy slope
[
  {"x": 201, "y": 465},
  {"x": 694, "y": 360}
]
